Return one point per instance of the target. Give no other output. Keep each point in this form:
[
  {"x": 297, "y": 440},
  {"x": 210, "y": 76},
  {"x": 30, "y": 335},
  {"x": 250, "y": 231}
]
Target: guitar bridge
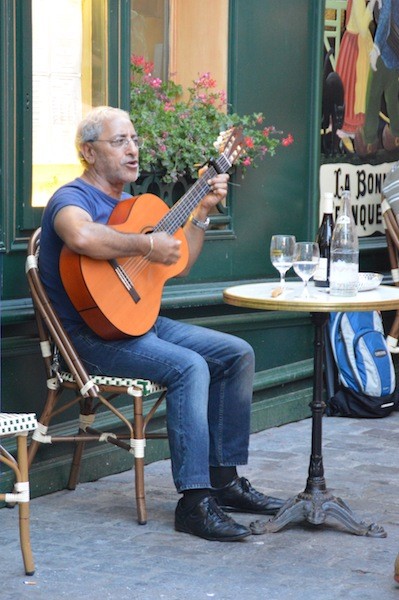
[{"x": 125, "y": 280}]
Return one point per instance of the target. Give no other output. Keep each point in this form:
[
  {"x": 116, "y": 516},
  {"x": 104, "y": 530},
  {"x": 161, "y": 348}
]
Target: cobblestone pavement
[{"x": 87, "y": 543}]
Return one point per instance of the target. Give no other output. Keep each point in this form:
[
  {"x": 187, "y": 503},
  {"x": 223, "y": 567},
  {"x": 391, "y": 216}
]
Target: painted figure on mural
[
  {"x": 353, "y": 66},
  {"x": 333, "y": 109},
  {"x": 383, "y": 84}
]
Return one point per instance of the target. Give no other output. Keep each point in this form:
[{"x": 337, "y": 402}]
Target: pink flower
[
  {"x": 155, "y": 82},
  {"x": 268, "y": 130},
  {"x": 202, "y": 98},
  {"x": 287, "y": 141},
  {"x": 222, "y": 98},
  {"x": 249, "y": 142},
  {"x": 205, "y": 81},
  {"x": 137, "y": 60},
  {"x": 247, "y": 161},
  {"x": 169, "y": 107}
]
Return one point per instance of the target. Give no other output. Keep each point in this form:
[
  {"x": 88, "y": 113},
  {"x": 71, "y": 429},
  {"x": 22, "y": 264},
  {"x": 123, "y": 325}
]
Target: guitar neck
[{"x": 179, "y": 213}]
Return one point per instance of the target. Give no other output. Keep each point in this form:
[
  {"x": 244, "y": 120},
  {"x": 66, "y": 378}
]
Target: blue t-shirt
[{"x": 99, "y": 206}]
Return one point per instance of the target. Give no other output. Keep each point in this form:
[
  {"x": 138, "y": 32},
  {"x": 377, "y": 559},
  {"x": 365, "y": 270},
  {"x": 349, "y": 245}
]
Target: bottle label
[
  {"x": 343, "y": 220},
  {"x": 321, "y": 271},
  {"x": 328, "y": 203},
  {"x": 344, "y": 278}
]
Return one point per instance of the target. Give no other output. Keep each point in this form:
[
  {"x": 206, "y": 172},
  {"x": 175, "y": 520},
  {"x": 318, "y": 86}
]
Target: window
[
  {"x": 149, "y": 33},
  {"x": 180, "y": 39},
  {"x": 181, "y": 42},
  {"x": 57, "y": 60},
  {"x": 69, "y": 76}
]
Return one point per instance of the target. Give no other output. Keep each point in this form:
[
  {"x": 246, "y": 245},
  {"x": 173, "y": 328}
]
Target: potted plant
[{"x": 179, "y": 135}]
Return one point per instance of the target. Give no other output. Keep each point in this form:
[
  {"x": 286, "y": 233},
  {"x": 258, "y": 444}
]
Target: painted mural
[{"x": 360, "y": 103}]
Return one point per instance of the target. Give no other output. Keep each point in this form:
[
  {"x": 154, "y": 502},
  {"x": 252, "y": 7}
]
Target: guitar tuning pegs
[{"x": 221, "y": 140}]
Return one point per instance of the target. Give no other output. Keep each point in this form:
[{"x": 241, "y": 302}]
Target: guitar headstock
[{"x": 230, "y": 143}]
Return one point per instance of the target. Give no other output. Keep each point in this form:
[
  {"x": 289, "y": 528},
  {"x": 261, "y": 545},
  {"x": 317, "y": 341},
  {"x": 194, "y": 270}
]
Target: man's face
[{"x": 112, "y": 157}]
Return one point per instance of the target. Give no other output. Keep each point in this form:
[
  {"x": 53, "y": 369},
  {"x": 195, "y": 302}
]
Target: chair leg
[
  {"x": 393, "y": 335},
  {"x": 44, "y": 420},
  {"x": 86, "y": 418},
  {"x": 32, "y": 451},
  {"x": 139, "y": 437},
  {"x": 24, "y": 507},
  {"x": 75, "y": 466}
]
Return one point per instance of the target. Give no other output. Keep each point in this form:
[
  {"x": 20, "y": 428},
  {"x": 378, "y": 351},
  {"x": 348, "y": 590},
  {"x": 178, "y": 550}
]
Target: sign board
[{"x": 365, "y": 183}]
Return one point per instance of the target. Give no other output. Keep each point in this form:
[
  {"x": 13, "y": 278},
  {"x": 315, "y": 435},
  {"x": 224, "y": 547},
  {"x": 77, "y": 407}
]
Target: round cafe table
[{"x": 316, "y": 502}]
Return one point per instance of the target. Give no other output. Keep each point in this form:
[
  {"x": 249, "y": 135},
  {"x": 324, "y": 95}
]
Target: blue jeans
[{"x": 209, "y": 380}]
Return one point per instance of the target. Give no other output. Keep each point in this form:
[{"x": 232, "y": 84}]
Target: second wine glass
[
  {"x": 306, "y": 259},
  {"x": 282, "y": 254}
]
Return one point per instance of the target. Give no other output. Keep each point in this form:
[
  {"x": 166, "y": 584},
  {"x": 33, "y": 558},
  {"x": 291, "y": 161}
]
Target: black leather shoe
[
  {"x": 207, "y": 520},
  {"x": 240, "y": 496}
]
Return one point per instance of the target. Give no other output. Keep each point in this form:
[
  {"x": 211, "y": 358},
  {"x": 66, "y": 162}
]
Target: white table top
[{"x": 259, "y": 295}]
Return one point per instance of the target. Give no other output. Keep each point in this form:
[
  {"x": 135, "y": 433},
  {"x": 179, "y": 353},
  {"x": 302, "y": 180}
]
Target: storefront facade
[{"x": 268, "y": 56}]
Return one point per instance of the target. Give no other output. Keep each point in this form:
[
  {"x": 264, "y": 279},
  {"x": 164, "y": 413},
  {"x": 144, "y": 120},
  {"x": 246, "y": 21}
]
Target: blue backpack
[{"x": 366, "y": 375}]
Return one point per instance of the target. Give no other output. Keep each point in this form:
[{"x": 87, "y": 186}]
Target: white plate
[{"x": 369, "y": 281}]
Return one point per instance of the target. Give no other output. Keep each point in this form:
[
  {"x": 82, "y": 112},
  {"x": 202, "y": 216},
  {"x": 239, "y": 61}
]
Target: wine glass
[
  {"x": 282, "y": 254},
  {"x": 306, "y": 259}
]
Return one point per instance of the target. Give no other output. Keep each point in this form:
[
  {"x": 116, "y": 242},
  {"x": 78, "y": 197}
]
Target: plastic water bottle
[
  {"x": 344, "y": 266},
  {"x": 321, "y": 277}
]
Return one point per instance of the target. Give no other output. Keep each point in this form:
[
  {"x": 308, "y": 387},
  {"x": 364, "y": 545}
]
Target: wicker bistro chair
[
  {"x": 19, "y": 425},
  {"x": 93, "y": 393},
  {"x": 390, "y": 212}
]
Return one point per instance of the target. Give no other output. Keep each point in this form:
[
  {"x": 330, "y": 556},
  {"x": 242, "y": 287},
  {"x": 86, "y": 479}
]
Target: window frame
[{"x": 17, "y": 217}]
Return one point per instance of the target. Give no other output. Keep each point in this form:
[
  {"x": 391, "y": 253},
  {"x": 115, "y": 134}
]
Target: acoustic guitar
[{"x": 122, "y": 297}]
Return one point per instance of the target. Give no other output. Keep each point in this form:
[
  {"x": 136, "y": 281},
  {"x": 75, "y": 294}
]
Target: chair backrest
[
  {"x": 392, "y": 237},
  {"x": 52, "y": 335},
  {"x": 389, "y": 205},
  {"x": 390, "y": 211}
]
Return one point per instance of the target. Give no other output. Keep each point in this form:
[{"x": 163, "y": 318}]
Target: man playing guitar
[{"x": 208, "y": 374}]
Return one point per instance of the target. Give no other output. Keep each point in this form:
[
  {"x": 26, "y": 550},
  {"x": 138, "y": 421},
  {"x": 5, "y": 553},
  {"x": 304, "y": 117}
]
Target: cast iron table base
[{"x": 316, "y": 503}]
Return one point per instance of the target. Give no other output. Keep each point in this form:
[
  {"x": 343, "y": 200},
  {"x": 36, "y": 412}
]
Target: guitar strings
[
  {"x": 170, "y": 222},
  {"x": 135, "y": 265},
  {"x": 177, "y": 215}
]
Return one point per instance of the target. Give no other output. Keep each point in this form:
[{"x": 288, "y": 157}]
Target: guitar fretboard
[{"x": 180, "y": 212}]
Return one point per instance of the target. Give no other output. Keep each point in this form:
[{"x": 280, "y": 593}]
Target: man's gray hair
[{"x": 91, "y": 127}]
